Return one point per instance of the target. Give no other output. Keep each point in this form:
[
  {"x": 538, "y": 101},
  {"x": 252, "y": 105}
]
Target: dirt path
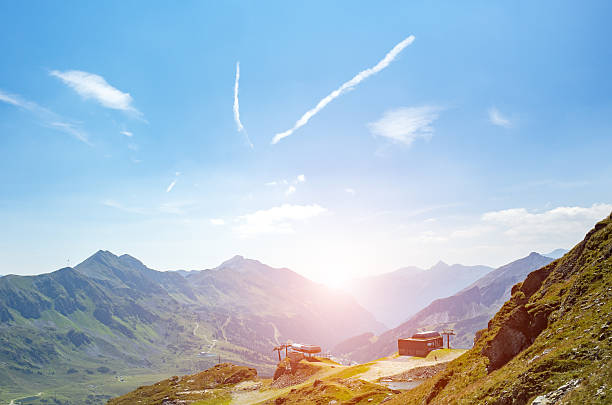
[
  {"x": 27, "y": 396},
  {"x": 227, "y": 321},
  {"x": 276, "y": 333}
]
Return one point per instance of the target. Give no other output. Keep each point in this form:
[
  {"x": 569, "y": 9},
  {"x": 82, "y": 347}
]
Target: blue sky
[{"x": 484, "y": 139}]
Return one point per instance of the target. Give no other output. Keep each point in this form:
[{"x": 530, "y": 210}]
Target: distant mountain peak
[
  {"x": 232, "y": 262},
  {"x": 440, "y": 265},
  {"x": 238, "y": 262},
  {"x": 555, "y": 254},
  {"x": 131, "y": 260},
  {"x": 102, "y": 254}
]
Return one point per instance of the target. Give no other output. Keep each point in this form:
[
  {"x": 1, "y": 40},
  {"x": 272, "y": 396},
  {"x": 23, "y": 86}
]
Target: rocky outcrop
[
  {"x": 555, "y": 396},
  {"x": 291, "y": 372},
  {"x": 519, "y": 331},
  {"x": 523, "y": 322}
]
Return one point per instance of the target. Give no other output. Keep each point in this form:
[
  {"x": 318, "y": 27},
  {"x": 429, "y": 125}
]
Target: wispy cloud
[
  {"x": 71, "y": 129},
  {"x": 217, "y": 221},
  {"x": 290, "y": 190},
  {"x": 300, "y": 178},
  {"x": 560, "y": 226},
  {"x": 406, "y": 124},
  {"x": 16, "y": 101},
  {"x": 48, "y": 117},
  {"x": 389, "y": 57},
  {"x": 116, "y": 205},
  {"x": 276, "y": 220},
  {"x": 173, "y": 183},
  {"x": 171, "y": 186},
  {"x": 93, "y": 86},
  {"x": 174, "y": 207},
  {"x": 350, "y": 191},
  {"x": 496, "y": 118},
  {"x": 237, "y": 107},
  {"x": 520, "y": 223},
  {"x": 126, "y": 133}
]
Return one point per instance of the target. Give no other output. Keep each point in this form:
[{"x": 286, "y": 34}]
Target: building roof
[{"x": 426, "y": 335}]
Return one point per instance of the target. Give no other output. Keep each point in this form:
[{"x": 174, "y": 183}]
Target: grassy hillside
[
  {"x": 553, "y": 338},
  {"x": 110, "y": 324}
]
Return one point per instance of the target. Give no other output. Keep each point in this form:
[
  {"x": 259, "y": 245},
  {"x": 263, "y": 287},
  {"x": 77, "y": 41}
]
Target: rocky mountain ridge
[{"x": 394, "y": 297}]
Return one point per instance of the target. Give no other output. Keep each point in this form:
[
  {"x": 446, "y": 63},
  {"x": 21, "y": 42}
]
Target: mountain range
[
  {"x": 112, "y": 316},
  {"x": 393, "y": 297},
  {"x": 73, "y": 328},
  {"x": 549, "y": 343},
  {"x": 466, "y": 312}
]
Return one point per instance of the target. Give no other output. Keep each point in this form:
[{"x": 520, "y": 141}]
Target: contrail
[
  {"x": 389, "y": 57},
  {"x": 171, "y": 186},
  {"x": 237, "y": 106}
]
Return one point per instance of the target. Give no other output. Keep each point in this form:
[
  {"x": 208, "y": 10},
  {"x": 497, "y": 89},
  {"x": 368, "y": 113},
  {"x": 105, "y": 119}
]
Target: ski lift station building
[{"x": 420, "y": 344}]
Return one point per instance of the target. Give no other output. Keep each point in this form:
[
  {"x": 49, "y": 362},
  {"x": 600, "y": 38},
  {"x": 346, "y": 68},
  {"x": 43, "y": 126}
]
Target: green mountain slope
[
  {"x": 552, "y": 341},
  {"x": 98, "y": 330}
]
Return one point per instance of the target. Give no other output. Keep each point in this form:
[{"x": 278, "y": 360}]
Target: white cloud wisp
[
  {"x": 520, "y": 223},
  {"x": 93, "y": 86},
  {"x": 49, "y": 118},
  {"x": 171, "y": 186},
  {"x": 237, "y": 107},
  {"x": 496, "y": 118},
  {"x": 406, "y": 124},
  {"x": 276, "y": 220},
  {"x": 389, "y": 57}
]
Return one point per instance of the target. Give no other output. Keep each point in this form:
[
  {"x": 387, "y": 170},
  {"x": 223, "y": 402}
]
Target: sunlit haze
[{"x": 353, "y": 140}]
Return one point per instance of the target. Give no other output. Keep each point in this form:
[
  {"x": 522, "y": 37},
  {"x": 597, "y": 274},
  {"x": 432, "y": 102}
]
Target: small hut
[{"x": 420, "y": 344}]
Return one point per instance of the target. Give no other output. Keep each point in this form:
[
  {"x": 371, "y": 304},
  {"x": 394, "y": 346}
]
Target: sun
[{"x": 334, "y": 281}]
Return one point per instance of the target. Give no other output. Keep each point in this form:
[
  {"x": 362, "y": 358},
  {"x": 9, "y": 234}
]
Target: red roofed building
[{"x": 420, "y": 344}]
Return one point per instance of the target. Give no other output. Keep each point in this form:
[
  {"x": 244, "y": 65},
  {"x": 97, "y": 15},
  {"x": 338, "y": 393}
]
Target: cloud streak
[
  {"x": 276, "y": 220},
  {"x": 116, "y": 205},
  {"x": 93, "y": 86},
  {"x": 49, "y": 118},
  {"x": 16, "y": 101},
  {"x": 361, "y": 76},
  {"x": 496, "y": 118},
  {"x": 237, "y": 107},
  {"x": 171, "y": 186},
  {"x": 406, "y": 124}
]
